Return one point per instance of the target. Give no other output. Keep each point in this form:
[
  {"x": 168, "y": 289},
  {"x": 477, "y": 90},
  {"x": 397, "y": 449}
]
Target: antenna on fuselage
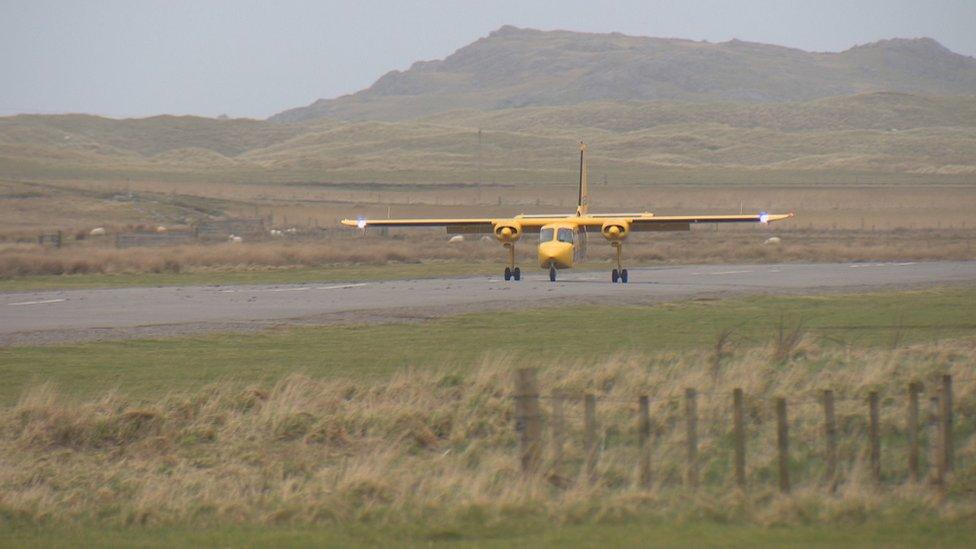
[{"x": 582, "y": 202}]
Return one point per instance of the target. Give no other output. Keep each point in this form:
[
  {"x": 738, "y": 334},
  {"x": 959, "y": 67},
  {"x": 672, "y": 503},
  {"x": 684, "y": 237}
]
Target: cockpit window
[
  {"x": 565, "y": 235},
  {"x": 545, "y": 235}
]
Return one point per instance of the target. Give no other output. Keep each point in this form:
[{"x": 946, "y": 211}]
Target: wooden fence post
[
  {"x": 830, "y": 435},
  {"x": 691, "y": 416},
  {"x": 739, "y": 437},
  {"x": 914, "y": 389},
  {"x": 874, "y": 436},
  {"x": 558, "y": 435},
  {"x": 936, "y": 462},
  {"x": 528, "y": 419},
  {"x": 590, "y": 441},
  {"x": 644, "y": 441},
  {"x": 783, "y": 444},
  {"x": 947, "y": 442}
]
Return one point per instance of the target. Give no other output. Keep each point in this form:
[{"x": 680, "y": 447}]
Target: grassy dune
[{"x": 877, "y": 138}]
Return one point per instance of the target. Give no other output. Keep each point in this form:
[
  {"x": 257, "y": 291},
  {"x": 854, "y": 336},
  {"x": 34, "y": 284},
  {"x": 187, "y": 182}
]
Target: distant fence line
[
  {"x": 132, "y": 240},
  {"x": 937, "y": 422},
  {"x": 55, "y": 239},
  {"x": 221, "y": 229}
]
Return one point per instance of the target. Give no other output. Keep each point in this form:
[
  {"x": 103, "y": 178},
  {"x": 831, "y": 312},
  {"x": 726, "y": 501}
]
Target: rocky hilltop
[{"x": 514, "y": 67}]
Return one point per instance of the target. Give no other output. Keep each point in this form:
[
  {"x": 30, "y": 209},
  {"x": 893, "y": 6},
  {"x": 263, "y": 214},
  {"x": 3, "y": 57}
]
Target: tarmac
[{"x": 53, "y": 316}]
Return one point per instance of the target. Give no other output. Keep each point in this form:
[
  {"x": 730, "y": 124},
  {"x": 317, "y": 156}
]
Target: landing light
[
  {"x": 361, "y": 222},
  {"x": 763, "y": 217}
]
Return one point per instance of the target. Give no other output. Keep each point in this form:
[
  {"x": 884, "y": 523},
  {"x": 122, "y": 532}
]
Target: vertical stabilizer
[{"x": 582, "y": 204}]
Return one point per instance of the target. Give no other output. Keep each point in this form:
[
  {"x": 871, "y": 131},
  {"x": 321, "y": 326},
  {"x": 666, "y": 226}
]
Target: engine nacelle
[
  {"x": 615, "y": 231},
  {"x": 508, "y": 232}
]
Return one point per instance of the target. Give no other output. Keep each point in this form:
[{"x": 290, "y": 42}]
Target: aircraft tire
[
  {"x": 517, "y": 274},
  {"x": 552, "y": 274},
  {"x": 508, "y": 274},
  {"x": 623, "y": 276},
  {"x": 614, "y": 276}
]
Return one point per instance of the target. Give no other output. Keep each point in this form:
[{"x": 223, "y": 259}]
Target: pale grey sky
[{"x": 254, "y": 58}]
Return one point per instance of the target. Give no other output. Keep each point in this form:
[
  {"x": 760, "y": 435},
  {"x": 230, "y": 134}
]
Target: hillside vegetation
[
  {"x": 905, "y": 137},
  {"x": 515, "y": 67}
]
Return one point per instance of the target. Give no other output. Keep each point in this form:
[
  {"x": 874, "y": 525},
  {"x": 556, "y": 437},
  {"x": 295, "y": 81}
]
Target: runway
[{"x": 80, "y": 315}]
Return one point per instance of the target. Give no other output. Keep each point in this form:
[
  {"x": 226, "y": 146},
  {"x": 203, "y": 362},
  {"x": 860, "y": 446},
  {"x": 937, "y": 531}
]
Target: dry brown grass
[
  {"x": 700, "y": 246},
  {"x": 833, "y": 223},
  {"x": 430, "y": 442}
]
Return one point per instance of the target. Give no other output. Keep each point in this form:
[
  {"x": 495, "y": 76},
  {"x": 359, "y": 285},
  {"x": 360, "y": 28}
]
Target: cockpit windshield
[
  {"x": 545, "y": 235},
  {"x": 565, "y": 235}
]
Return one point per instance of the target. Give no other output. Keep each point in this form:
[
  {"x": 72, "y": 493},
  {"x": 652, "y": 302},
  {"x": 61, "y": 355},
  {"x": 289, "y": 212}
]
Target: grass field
[
  {"x": 913, "y": 531},
  {"x": 863, "y": 223},
  {"x": 143, "y": 368},
  {"x": 401, "y": 433},
  {"x": 87, "y": 265},
  {"x": 390, "y": 271}
]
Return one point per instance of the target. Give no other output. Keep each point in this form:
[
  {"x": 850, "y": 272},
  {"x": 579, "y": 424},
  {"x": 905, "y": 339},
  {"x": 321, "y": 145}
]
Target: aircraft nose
[
  {"x": 559, "y": 254},
  {"x": 549, "y": 250}
]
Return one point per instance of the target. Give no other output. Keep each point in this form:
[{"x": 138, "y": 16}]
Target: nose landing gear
[{"x": 552, "y": 273}]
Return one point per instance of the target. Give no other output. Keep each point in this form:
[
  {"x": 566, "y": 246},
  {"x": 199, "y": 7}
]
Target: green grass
[
  {"x": 910, "y": 533},
  {"x": 143, "y": 368},
  {"x": 333, "y": 273},
  {"x": 393, "y": 271}
]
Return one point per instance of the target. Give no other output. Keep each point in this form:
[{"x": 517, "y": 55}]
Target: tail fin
[{"x": 582, "y": 204}]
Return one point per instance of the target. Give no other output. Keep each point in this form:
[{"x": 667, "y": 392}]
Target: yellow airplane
[{"x": 562, "y": 238}]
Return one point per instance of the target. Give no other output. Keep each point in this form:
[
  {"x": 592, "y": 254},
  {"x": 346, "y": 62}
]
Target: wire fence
[{"x": 731, "y": 437}]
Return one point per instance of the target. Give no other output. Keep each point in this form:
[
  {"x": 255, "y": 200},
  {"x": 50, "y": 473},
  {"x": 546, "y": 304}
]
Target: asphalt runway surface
[{"x": 81, "y": 315}]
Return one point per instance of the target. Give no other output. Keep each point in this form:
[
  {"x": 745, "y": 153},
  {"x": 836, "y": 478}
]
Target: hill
[
  {"x": 840, "y": 139},
  {"x": 515, "y": 67}
]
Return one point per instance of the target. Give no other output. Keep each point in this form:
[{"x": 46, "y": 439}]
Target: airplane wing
[
  {"x": 651, "y": 222},
  {"x": 532, "y": 223},
  {"x": 468, "y": 226}
]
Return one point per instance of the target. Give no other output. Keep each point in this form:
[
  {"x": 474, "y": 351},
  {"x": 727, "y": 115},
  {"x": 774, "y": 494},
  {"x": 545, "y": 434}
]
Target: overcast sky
[{"x": 254, "y": 58}]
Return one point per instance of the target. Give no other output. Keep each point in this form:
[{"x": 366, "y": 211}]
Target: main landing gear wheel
[
  {"x": 619, "y": 276},
  {"x": 517, "y": 274},
  {"x": 614, "y": 276},
  {"x": 552, "y": 274},
  {"x": 508, "y": 273},
  {"x": 623, "y": 276}
]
